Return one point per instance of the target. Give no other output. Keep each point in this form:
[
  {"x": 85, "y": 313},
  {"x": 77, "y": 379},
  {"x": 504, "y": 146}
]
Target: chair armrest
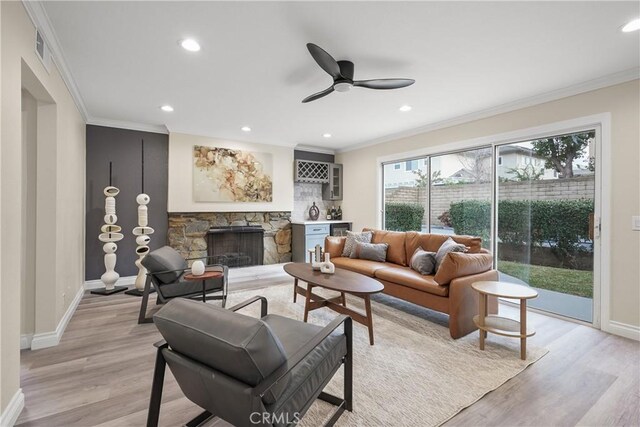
[
  {"x": 263, "y": 305},
  {"x": 334, "y": 245},
  {"x": 161, "y": 344},
  {"x": 299, "y": 356}
]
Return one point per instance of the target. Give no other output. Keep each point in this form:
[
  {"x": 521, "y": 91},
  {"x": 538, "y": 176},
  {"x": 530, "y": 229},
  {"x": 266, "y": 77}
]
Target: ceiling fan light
[
  {"x": 190, "y": 44},
  {"x": 343, "y": 87}
]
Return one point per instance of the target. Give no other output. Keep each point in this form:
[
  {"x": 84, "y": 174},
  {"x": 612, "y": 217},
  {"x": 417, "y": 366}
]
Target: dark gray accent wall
[
  {"x": 310, "y": 155},
  {"x": 122, "y": 147}
]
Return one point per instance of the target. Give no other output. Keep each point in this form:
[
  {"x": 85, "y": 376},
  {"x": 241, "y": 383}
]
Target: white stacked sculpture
[
  {"x": 110, "y": 233},
  {"x": 142, "y": 232}
]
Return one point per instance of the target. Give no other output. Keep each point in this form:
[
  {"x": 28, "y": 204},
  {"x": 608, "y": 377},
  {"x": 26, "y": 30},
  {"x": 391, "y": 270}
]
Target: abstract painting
[{"x": 225, "y": 175}]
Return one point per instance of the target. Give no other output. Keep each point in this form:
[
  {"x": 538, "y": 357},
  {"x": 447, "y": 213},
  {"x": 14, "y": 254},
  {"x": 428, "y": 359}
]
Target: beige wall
[
  {"x": 60, "y": 191},
  {"x": 622, "y": 101},
  {"x": 181, "y": 175}
]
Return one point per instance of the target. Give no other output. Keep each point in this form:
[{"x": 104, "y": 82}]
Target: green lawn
[{"x": 572, "y": 282}]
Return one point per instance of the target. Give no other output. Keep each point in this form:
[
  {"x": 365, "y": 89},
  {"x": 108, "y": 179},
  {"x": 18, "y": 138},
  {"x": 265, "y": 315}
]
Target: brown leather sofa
[{"x": 448, "y": 291}]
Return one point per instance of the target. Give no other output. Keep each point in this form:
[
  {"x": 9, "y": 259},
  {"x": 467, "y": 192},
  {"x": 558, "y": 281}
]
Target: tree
[
  {"x": 477, "y": 163},
  {"x": 559, "y": 152},
  {"x": 422, "y": 179},
  {"x": 527, "y": 173}
]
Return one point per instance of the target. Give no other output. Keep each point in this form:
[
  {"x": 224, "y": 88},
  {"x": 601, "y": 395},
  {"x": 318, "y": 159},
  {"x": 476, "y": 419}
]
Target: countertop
[{"x": 320, "y": 221}]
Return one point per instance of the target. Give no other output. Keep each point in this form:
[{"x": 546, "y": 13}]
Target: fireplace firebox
[{"x": 236, "y": 246}]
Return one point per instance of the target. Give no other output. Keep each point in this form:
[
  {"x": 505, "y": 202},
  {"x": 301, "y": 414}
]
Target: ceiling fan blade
[
  {"x": 318, "y": 95},
  {"x": 325, "y": 61},
  {"x": 384, "y": 83}
]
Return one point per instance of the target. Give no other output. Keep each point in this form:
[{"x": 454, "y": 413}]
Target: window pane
[
  {"x": 545, "y": 197},
  {"x": 405, "y": 196},
  {"x": 461, "y": 194}
]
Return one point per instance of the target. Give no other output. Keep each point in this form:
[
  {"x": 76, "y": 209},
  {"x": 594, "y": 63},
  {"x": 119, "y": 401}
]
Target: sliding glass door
[
  {"x": 532, "y": 202},
  {"x": 545, "y": 209}
]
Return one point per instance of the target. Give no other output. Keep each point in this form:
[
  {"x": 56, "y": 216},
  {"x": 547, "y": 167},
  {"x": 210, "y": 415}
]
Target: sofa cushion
[
  {"x": 423, "y": 262},
  {"x": 353, "y": 238},
  {"x": 449, "y": 245},
  {"x": 362, "y": 266},
  {"x": 395, "y": 239},
  {"x": 457, "y": 264},
  {"x": 370, "y": 251},
  {"x": 432, "y": 242},
  {"x": 165, "y": 259},
  {"x": 407, "y": 277}
]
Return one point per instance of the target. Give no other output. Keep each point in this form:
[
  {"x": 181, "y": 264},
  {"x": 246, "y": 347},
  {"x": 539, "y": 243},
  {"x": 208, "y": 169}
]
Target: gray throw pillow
[
  {"x": 449, "y": 245},
  {"x": 370, "y": 251},
  {"x": 423, "y": 262},
  {"x": 353, "y": 238}
]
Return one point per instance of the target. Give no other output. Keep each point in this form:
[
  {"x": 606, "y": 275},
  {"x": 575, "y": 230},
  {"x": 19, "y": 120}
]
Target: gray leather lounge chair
[
  {"x": 247, "y": 371},
  {"x": 165, "y": 273}
]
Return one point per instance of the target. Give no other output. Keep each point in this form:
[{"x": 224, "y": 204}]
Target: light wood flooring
[{"x": 100, "y": 374}]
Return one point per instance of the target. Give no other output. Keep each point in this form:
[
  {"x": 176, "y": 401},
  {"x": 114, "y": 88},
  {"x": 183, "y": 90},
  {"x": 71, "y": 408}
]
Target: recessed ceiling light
[
  {"x": 167, "y": 108},
  {"x": 190, "y": 44},
  {"x": 405, "y": 108},
  {"x": 326, "y": 135},
  {"x": 245, "y": 129},
  {"x": 632, "y": 26}
]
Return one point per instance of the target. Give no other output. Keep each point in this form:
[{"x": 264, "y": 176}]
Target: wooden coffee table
[{"x": 343, "y": 281}]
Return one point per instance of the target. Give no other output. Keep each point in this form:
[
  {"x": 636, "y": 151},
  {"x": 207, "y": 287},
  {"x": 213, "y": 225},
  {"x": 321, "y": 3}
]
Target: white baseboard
[
  {"x": 97, "y": 284},
  {"x": 25, "y": 341},
  {"x": 10, "y": 415},
  {"x": 623, "y": 329},
  {"x": 51, "y": 339}
]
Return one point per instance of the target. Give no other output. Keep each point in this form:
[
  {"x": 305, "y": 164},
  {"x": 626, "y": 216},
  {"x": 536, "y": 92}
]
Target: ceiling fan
[{"x": 342, "y": 73}]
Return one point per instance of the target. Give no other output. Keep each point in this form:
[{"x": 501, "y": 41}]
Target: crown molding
[
  {"x": 588, "y": 86},
  {"x": 40, "y": 19},
  {"x": 121, "y": 124},
  {"x": 314, "y": 149}
]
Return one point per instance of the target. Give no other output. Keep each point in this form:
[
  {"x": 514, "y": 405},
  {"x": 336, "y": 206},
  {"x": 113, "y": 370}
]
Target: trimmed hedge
[
  {"x": 559, "y": 224},
  {"x": 403, "y": 216}
]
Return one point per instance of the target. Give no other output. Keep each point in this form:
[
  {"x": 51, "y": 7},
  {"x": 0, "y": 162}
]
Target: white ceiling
[{"x": 254, "y": 68}]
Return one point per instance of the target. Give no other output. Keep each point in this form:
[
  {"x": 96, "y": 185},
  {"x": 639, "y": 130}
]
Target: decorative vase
[
  {"x": 197, "y": 268},
  {"x": 314, "y": 212},
  {"x": 316, "y": 263},
  {"x": 327, "y": 266}
]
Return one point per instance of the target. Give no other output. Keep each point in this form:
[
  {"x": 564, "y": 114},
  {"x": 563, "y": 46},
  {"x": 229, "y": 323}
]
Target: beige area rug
[{"x": 415, "y": 374}]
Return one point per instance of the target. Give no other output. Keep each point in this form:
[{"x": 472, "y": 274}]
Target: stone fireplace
[{"x": 189, "y": 234}]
